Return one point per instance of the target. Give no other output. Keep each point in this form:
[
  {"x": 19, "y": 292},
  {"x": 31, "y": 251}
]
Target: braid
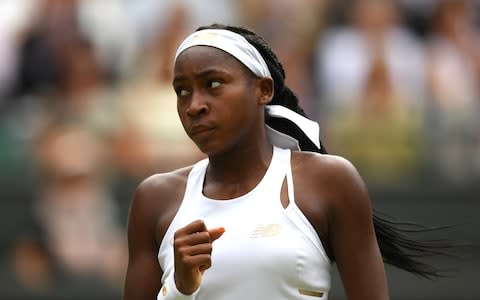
[{"x": 396, "y": 245}]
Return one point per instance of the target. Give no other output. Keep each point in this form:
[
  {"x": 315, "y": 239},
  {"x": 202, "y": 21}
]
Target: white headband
[
  {"x": 247, "y": 54},
  {"x": 230, "y": 42}
]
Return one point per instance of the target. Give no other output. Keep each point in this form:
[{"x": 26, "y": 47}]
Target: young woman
[{"x": 269, "y": 212}]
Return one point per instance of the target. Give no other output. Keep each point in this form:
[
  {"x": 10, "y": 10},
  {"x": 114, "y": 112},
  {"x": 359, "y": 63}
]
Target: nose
[{"x": 197, "y": 106}]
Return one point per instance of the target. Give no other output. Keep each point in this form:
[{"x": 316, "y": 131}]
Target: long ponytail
[{"x": 397, "y": 246}]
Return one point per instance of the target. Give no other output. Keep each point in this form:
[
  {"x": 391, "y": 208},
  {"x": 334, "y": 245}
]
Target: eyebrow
[{"x": 201, "y": 74}]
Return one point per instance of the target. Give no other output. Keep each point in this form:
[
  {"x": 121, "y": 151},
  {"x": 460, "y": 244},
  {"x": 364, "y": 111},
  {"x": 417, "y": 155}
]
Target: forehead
[{"x": 200, "y": 58}]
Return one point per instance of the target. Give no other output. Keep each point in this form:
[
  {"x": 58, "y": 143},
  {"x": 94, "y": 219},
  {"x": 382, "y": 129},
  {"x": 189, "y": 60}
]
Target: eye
[
  {"x": 181, "y": 92},
  {"x": 214, "y": 84},
  {"x": 184, "y": 92}
]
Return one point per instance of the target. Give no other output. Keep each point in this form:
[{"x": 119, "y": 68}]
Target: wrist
[{"x": 169, "y": 291}]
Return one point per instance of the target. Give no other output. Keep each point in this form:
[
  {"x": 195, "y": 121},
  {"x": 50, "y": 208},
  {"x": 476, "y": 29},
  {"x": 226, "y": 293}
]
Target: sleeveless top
[{"x": 266, "y": 252}]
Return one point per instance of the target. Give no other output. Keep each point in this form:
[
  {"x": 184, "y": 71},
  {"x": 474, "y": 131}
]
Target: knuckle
[
  {"x": 209, "y": 249},
  {"x": 199, "y": 222},
  {"x": 177, "y": 242},
  {"x": 204, "y": 236}
]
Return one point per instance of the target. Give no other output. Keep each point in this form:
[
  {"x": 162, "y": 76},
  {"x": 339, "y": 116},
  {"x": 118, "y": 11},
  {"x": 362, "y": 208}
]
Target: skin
[{"x": 221, "y": 106}]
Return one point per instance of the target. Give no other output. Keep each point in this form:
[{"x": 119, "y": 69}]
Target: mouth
[{"x": 200, "y": 129}]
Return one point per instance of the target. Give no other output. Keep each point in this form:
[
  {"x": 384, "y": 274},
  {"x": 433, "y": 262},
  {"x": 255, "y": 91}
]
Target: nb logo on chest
[{"x": 266, "y": 230}]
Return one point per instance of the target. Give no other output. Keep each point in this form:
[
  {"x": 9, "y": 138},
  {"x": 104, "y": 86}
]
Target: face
[{"x": 219, "y": 101}]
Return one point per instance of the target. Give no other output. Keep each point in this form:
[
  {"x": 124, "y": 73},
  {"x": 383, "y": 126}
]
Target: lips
[{"x": 200, "y": 129}]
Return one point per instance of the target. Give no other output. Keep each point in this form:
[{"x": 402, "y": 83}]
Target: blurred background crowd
[{"x": 87, "y": 111}]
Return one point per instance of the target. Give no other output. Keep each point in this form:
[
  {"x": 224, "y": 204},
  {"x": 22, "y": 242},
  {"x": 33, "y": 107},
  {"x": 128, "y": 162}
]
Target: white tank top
[{"x": 267, "y": 251}]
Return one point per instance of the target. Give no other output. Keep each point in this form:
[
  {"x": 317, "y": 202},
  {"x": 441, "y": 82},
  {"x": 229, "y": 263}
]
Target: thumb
[{"x": 215, "y": 233}]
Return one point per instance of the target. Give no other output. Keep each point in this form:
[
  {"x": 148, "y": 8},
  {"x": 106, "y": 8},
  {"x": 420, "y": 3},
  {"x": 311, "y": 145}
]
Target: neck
[{"x": 241, "y": 165}]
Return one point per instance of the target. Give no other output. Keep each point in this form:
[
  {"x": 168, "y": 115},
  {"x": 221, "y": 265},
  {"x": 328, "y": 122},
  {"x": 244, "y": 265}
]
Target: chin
[{"x": 212, "y": 149}]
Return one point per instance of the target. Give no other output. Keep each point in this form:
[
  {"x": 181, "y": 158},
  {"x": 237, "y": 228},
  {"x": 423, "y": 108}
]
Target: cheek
[
  {"x": 182, "y": 115},
  {"x": 238, "y": 117}
]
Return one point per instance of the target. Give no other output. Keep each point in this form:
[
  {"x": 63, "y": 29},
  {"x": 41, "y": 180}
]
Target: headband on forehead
[
  {"x": 230, "y": 42},
  {"x": 237, "y": 46}
]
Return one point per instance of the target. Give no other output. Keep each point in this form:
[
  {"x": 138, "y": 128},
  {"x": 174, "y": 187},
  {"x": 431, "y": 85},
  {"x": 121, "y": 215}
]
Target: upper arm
[
  {"x": 352, "y": 236},
  {"x": 143, "y": 273}
]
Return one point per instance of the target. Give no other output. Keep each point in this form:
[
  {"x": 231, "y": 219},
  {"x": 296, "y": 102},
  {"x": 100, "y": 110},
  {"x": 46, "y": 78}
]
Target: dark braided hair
[{"x": 396, "y": 245}]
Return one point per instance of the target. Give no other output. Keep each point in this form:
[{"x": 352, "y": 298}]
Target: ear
[{"x": 265, "y": 90}]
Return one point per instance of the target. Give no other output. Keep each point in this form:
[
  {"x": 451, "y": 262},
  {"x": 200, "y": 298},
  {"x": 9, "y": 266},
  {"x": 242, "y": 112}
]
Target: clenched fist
[{"x": 192, "y": 246}]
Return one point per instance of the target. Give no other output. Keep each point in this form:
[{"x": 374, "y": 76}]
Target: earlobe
[{"x": 265, "y": 90}]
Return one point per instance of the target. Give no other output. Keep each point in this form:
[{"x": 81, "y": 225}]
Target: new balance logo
[
  {"x": 265, "y": 230},
  {"x": 311, "y": 293}
]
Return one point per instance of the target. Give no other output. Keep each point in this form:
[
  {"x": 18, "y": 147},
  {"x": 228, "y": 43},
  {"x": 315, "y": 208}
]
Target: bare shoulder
[
  {"x": 329, "y": 181},
  {"x": 157, "y": 199},
  {"x": 335, "y": 172},
  {"x": 162, "y": 185}
]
